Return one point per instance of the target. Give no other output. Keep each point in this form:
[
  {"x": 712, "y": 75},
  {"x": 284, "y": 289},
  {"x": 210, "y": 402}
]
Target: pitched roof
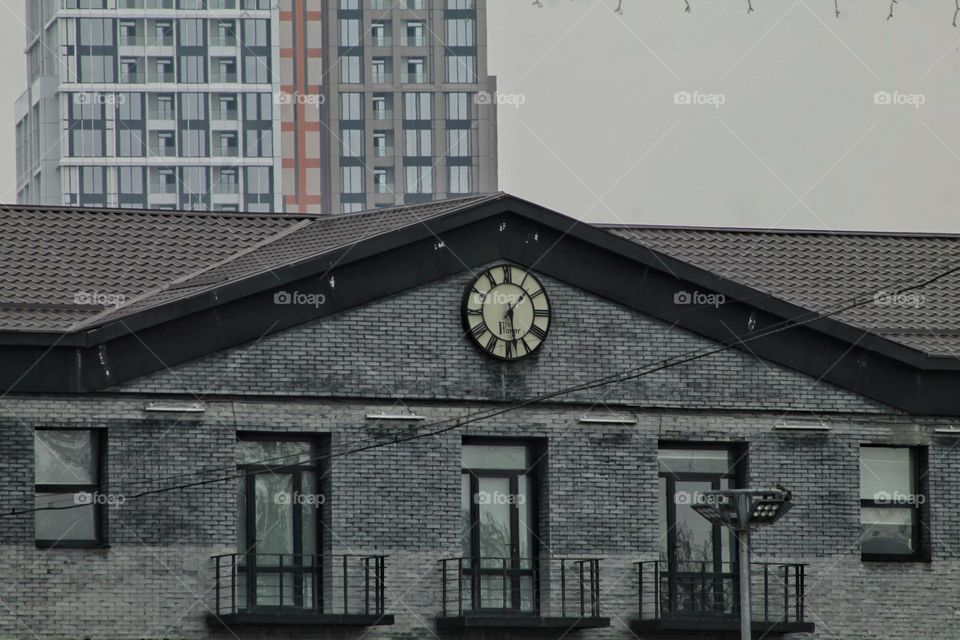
[
  {"x": 58, "y": 265},
  {"x": 821, "y": 271},
  {"x": 54, "y": 260}
]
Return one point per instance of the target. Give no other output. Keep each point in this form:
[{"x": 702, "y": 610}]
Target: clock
[{"x": 506, "y": 311}]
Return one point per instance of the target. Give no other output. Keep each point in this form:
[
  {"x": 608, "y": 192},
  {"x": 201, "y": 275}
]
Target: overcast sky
[{"x": 788, "y": 132}]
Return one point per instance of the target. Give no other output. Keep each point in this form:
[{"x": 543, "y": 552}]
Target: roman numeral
[
  {"x": 541, "y": 313},
  {"x": 510, "y": 346},
  {"x": 507, "y": 276},
  {"x": 536, "y": 294},
  {"x": 474, "y": 312},
  {"x": 539, "y": 333},
  {"x": 491, "y": 343},
  {"x": 490, "y": 279},
  {"x": 526, "y": 347},
  {"x": 478, "y": 331}
]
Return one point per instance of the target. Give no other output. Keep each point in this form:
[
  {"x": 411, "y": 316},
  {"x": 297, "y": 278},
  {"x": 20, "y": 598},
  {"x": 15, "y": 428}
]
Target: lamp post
[{"x": 744, "y": 510}]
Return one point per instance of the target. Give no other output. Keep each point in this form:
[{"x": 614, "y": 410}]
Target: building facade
[
  {"x": 325, "y": 433},
  {"x": 238, "y": 105}
]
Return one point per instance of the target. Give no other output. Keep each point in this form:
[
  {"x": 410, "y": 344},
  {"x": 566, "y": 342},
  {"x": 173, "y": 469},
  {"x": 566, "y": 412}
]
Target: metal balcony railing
[
  {"x": 556, "y": 587},
  {"x": 696, "y": 591},
  {"x": 298, "y": 584}
]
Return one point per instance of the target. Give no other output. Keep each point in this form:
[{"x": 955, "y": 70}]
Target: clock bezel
[{"x": 466, "y": 321}]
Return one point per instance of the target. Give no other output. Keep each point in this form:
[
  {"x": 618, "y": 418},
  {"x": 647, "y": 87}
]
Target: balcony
[
  {"x": 521, "y": 594},
  {"x": 224, "y": 77},
  {"x": 161, "y": 76},
  {"x": 287, "y": 589},
  {"x": 157, "y": 40},
  {"x": 413, "y": 77},
  {"x": 132, "y": 77},
  {"x": 697, "y": 599}
]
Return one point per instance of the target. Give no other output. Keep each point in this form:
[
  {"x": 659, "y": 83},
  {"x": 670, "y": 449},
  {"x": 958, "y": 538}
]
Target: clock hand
[{"x": 510, "y": 308}]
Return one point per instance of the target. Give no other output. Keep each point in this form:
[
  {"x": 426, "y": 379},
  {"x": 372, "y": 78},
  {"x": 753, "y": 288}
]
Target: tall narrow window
[
  {"x": 278, "y": 530},
  {"x": 892, "y": 502},
  {"x": 67, "y": 484},
  {"x": 499, "y": 535},
  {"x": 698, "y": 559}
]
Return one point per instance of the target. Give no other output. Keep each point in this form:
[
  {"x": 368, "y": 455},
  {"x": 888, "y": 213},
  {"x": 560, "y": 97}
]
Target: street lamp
[{"x": 744, "y": 510}]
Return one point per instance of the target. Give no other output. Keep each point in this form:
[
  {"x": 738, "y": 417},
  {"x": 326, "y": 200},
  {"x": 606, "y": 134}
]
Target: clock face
[{"x": 507, "y": 312}]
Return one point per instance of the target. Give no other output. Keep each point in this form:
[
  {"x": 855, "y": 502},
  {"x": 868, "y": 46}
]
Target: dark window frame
[
  {"x": 537, "y": 451},
  {"x": 249, "y": 471},
  {"x": 920, "y": 463},
  {"x": 99, "y": 540}
]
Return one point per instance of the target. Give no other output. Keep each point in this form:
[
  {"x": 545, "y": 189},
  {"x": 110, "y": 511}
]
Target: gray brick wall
[
  {"x": 598, "y": 495},
  {"x": 412, "y": 346}
]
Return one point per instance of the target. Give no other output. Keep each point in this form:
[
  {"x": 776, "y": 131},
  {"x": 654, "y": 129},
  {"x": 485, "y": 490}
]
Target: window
[
  {"x": 383, "y": 180},
  {"x": 461, "y": 69},
  {"x": 349, "y": 33},
  {"x": 380, "y": 70},
  {"x": 350, "y": 106},
  {"x": 255, "y": 33},
  {"x": 131, "y": 181},
  {"x": 382, "y": 106},
  {"x": 498, "y": 489},
  {"x": 458, "y": 106},
  {"x": 459, "y": 180},
  {"x": 350, "y": 70},
  {"x": 192, "y": 32},
  {"x": 352, "y": 143},
  {"x": 418, "y": 143},
  {"x": 458, "y": 143},
  {"x": 352, "y": 179},
  {"x": 130, "y": 143},
  {"x": 193, "y": 69},
  {"x": 692, "y": 550},
  {"x": 96, "y": 68},
  {"x": 460, "y": 33},
  {"x": 278, "y": 529},
  {"x": 256, "y": 69},
  {"x": 416, "y": 106},
  {"x": 67, "y": 474},
  {"x": 96, "y": 32},
  {"x": 892, "y": 503},
  {"x": 259, "y": 143},
  {"x": 193, "y": 106},
  {"x": 419, "y": 180}
]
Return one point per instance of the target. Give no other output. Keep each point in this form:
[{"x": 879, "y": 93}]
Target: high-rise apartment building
[{"x": 310, "y": 106}]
